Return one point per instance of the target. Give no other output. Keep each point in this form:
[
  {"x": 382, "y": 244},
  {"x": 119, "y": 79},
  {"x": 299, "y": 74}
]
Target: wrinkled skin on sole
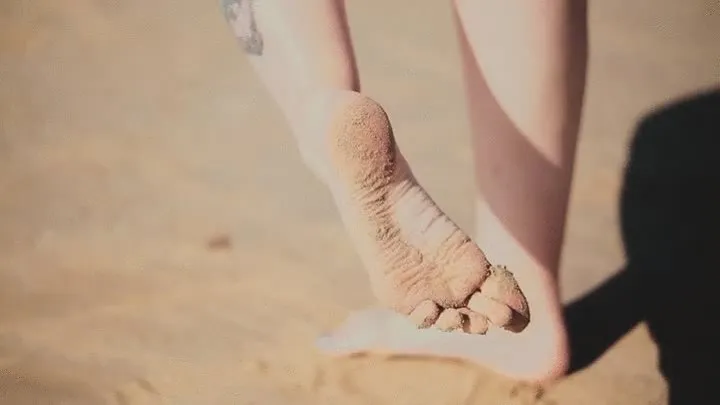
[{"x": 419, "y": 262}]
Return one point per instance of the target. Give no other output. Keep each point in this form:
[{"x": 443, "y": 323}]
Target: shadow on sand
[{"x": 670, "y": 221}]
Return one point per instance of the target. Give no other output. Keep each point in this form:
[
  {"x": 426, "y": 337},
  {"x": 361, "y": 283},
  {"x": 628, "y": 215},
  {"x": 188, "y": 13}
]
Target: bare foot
[{"x": 419, "y": 262}]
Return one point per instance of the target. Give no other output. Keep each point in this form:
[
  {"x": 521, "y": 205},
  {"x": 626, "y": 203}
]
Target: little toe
[
  {"x": 425, "y": 314},
  {"x": 496, "y": 312},
  {"x": 450, "y": 319},
  {"x": 475, "y": 323}
]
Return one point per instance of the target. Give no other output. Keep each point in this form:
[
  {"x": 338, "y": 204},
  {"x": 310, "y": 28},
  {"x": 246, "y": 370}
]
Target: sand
[{"x": 162, "y": 243}]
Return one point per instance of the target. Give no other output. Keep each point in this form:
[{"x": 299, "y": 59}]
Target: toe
[
  {"x": 450, "y": 319},
  {"x": 425, "y": 314},
  {"x": 501, "y": 286},
  {"x": 498, "y": 313},
  {"x": 475, "y": 323}
]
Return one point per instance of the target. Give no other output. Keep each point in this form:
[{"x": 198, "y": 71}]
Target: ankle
[
  {"x": 309, "y": 131},
  {"x": 312, "y": 124}
]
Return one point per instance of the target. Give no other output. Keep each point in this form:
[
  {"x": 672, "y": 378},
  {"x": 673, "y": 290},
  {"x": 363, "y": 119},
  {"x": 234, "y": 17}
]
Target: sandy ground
[{"x": 161, "y": 242}]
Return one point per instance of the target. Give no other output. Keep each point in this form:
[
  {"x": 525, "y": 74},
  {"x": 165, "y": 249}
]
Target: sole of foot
[{"x": 420, "y": 263}]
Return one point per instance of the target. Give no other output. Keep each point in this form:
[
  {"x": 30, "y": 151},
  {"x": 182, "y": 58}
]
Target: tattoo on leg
[{"x": 241, "y": 16}]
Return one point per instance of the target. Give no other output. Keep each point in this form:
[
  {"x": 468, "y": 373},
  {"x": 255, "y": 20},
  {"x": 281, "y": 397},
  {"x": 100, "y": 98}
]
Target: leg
[
  {"x": 420, "y": 263},
  {"x": 302, "y": 53},
  {"x": 524, "y": 65}
]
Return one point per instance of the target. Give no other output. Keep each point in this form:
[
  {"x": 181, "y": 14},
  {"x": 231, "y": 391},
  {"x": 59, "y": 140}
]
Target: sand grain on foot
[{"x": 420, "y": 262}]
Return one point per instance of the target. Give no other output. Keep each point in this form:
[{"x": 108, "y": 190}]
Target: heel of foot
[{"x": 361, "y": 142}]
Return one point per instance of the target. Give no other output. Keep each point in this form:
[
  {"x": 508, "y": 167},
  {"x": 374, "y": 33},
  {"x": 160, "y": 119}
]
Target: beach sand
[{"x": 162, "y": 243}]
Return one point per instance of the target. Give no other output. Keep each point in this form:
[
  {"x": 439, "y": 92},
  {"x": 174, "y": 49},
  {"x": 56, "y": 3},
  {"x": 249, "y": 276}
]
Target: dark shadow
[{"x": 670, "y": 222}]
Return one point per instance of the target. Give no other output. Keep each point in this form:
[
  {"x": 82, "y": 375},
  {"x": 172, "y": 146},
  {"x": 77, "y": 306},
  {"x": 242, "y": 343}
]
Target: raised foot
[{"x": 420, "y": 263}]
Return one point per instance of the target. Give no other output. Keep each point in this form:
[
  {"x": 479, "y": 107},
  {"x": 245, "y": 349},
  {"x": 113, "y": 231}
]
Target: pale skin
[{"x": 524, "y": 66}]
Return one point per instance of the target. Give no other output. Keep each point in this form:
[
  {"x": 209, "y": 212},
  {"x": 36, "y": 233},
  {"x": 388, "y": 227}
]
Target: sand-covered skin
[
  {"x": 501, "y": 286},
  {"x": 420, "y": 263},
  {"x": 134, "y": 136}
]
